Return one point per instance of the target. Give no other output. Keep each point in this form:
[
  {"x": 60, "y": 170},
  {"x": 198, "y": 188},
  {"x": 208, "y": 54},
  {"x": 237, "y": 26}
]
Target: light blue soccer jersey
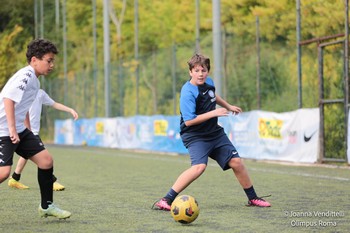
[{"x": 196, "y": 100}]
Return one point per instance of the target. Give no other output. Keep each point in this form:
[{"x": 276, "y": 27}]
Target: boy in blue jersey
[{"x": 202, "y": 135}]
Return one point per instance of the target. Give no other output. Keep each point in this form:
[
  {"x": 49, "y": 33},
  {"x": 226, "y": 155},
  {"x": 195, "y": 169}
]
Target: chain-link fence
[{"x": 155, "y": 87}]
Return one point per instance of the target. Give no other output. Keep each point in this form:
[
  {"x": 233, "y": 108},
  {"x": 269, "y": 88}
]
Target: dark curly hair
[
  {"x": 199, "y": 59},
  {"x": 38, "y": 48}
]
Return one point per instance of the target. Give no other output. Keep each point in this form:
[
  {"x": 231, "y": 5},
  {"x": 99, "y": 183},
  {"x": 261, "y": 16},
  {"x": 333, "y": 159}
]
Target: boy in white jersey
[
  {"x": 41, "y": 99},
  {"x": 16, "y": 98}
]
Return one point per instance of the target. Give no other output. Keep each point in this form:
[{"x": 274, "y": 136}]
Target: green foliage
[
  {"x": 175, "y": 24},
  {"x": 334, "y": 131},
  {"x": 8, "y": 52},
  {"x": 17, "y": 14}
]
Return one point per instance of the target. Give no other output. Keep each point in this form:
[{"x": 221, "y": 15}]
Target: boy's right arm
[{"x": 11, "y": 122}]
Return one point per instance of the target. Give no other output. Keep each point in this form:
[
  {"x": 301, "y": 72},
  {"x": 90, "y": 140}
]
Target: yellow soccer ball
[{"x": 184, "y": 209}]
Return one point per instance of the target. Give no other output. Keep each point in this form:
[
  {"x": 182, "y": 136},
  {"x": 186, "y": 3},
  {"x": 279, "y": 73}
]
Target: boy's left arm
[
  {"x": 220, "y": 101},
  {"x": 64, "y": 108}
]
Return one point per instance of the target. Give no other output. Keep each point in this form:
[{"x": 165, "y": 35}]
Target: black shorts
[{"x": 28, "y": 146}]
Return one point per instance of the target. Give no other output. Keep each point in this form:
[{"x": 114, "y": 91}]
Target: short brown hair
[
  {"x": 199, "y": 59},
  {"x": 39, "y": 47}
]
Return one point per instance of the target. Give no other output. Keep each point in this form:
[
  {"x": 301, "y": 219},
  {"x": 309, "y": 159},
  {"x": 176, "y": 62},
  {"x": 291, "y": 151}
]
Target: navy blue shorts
[
  {"x": 219, "y": 149},
  {"x": 28, "y": 146}
]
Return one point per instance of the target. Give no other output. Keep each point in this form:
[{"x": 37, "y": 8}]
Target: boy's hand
[
  {"x": 74, "y": 114},
  {"x": 221, "y": 112},
  {"x": 14, "y": 137},
  {"x": 235, "y": 109}
]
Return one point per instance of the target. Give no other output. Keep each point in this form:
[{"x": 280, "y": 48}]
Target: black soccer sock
[
  {"x": 170, "y": 196},
  {"x": 250, "y": 192},
  {"x": 45, "y": 183},
  {"x": 54, "y": 178},
  {"x": 16, "y": 176}
]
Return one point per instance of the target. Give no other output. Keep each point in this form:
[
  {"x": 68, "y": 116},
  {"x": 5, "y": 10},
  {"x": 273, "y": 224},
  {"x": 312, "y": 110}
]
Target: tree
[{"x": 8, "y": 52}]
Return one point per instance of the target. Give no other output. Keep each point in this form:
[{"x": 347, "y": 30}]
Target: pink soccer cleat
[
  {"x": 258, "y": 202},
  {"x": 162, "y": 204}
]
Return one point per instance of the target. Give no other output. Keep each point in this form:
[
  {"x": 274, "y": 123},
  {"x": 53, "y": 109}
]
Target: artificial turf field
[{"x": 111, "y": 190}]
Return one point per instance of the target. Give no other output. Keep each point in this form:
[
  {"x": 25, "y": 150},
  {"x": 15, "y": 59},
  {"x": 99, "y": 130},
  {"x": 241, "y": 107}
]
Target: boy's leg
[
  {"x": 240, "y": 172},
  {"x": 4, "y": 173},
  {"x": 182, "y": 182},
  {"x": 20, "y": 165},
  {"x": 227, "y": 157},
  {"x": 188, "y": 176},
  {"x": 7, "y": 149},
  {"x": 45, "y": 179},
  {"x": 199, "y": 152},
  {"x": 16, "y": 176},
  {"x": 243, "y": 178},
  {"x": 45, "y": 171},
  {"x": 56, "y": 186}
]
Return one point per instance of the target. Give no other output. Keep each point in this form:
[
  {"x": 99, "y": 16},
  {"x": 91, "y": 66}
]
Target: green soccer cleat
[
  {"x": 53, "y": 211},
  {"x": 16, "y": 184}
]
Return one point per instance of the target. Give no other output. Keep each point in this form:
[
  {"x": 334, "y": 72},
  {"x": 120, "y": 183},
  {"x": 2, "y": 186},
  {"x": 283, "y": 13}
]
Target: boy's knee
[
  {"x": 43, "y": 160},
  {"x": 200, "y": 168},
  {"x": 47, "y": 163},
  {"x": 236, "y": 164},
  {"x": 4, "y": 174}
]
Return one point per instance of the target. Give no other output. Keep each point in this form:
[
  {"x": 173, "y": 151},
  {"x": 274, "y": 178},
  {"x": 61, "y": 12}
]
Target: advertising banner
[{"x": 291, "y": 136}]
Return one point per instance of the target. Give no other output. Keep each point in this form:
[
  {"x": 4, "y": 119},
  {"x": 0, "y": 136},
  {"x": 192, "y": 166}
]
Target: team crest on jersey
[
  {"x": 211, "y": 93},
  {"x": 212, "y": 96}
]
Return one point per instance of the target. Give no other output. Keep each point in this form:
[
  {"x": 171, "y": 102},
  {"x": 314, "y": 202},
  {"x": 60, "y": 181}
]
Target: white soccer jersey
[
  {"x": 42, "y": 98},
  {"x": 22, "y": 88}
]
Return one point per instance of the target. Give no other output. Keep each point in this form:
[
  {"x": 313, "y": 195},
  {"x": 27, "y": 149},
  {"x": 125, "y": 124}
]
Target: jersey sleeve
[
  {"x": 210, "y": 81},
  {"x": 187, "y": 104},
  {"x": 46, "y": 99},
  {"x": 15, "y": 88}
]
